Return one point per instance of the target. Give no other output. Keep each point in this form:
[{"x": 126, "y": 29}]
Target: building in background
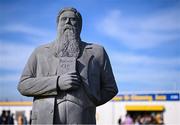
[{"x": 156, "y": 108}]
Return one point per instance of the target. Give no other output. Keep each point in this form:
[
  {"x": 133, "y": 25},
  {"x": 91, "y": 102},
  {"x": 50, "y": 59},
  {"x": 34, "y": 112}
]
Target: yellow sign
[
  {"x": 16, "y": 103},
  {"x": 144, "y": 108}
]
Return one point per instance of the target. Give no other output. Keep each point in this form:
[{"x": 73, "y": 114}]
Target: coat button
[{"x": 52, "y": 112}]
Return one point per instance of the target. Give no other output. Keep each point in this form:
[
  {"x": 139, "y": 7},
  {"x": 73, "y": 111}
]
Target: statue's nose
[{"x": 68, "y": 21}]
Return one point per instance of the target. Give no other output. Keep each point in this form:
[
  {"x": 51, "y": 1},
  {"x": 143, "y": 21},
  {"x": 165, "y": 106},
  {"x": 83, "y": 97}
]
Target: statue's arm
[
  {"x": 108, "y": 84},
  {"x": 30, "y": 85},
  {"x": 42, "y": 86}
]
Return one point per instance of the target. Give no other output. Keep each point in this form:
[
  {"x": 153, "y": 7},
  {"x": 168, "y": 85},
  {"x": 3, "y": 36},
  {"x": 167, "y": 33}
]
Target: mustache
[{"x": 70, "y": 27}]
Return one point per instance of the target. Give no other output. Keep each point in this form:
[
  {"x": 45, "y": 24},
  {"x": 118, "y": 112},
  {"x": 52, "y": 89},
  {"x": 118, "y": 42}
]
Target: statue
[{"x": 67, "y": 78}]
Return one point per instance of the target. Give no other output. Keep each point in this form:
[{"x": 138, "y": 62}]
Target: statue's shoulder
[
  {"x": 43, "y": 48},
  {"x": 95, "y": 49},
  {"x": 93, "y": 46}
]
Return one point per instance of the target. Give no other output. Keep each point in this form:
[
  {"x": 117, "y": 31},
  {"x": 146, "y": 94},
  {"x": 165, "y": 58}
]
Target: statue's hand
[{"x": 69, "y": 81}]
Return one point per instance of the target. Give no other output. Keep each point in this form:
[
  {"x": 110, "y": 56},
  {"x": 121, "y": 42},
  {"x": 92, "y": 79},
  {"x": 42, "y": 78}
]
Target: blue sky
[{"x": 142, "y": 38}]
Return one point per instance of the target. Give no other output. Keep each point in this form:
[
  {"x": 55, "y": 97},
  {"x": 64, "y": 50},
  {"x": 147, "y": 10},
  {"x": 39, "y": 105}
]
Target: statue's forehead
[{"x": 68, "y": 14}]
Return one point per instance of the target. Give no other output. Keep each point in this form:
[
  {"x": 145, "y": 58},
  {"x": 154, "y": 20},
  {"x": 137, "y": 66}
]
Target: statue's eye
[
  {"x": 64, "y": 18},
  {"x": 73, "y": 19}
]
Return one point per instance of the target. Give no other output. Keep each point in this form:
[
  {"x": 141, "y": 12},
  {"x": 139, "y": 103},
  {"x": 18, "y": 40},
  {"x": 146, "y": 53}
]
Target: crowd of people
[
  {"x": 142, "y": 119},
  {"x": 8, "y": 118}
]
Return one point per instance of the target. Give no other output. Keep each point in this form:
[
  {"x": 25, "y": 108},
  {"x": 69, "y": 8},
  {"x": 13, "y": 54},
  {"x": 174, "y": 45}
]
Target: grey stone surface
[{"x": 68, "y": 78}]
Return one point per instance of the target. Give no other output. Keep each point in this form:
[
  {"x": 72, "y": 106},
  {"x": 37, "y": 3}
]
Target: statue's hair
[{"x": 78, "y": 15}]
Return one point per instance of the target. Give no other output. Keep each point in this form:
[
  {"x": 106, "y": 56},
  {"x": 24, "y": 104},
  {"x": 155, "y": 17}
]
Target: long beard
[{"x": 68, "y": 43}]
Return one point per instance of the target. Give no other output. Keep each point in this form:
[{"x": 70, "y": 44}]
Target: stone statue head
[
  {"x": 69, "y": 16},
  {"x": 69, "y": 25}
]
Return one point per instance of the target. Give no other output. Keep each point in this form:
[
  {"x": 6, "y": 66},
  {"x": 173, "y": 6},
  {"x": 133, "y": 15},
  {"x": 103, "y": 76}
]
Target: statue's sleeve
[
  {"x": 108, "y": 84},
  {"x": 30, "y": 85}
]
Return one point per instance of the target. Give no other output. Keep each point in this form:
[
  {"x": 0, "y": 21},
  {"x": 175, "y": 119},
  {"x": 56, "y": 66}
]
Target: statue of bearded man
[{"x": 67, "y": 78}]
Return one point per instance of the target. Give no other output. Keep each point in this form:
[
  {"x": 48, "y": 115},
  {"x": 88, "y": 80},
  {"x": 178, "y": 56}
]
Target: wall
[{"x": 110, "y": 112}]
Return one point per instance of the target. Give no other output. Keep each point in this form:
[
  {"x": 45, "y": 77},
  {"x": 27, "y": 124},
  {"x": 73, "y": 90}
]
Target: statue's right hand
[{"x": 69, "y": 81}]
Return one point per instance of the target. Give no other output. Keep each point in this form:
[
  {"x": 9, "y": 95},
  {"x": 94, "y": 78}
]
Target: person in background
[
  {"x": 128, "y": 120},
  {"x": 6, "y": 118},
  {"x": 9, "y": 118},
  {"x": 3, "y": 118},
  {"x": 119, "y": 120}
]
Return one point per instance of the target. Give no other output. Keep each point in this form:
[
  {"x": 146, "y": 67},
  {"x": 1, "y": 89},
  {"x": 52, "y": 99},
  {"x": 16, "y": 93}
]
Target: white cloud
[
  {"x": 168, "y": 20},
  {"x": 26, "y": 29},
  {"x": 145, "y": 69},
  {"x": 142, "y": 32},
  {"x": 147, "y": 76},
  {"x": 14, "y": 56},
  {"x": 10, "y": 78},
  {"x": 31, "y": 33},
  {"x": 124, "y": 58}
]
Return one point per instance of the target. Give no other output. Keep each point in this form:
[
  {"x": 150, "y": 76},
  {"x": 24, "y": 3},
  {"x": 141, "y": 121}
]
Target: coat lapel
[
  {"x": 52, "y": 59},
  {"x": 83, "y": 62}
]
